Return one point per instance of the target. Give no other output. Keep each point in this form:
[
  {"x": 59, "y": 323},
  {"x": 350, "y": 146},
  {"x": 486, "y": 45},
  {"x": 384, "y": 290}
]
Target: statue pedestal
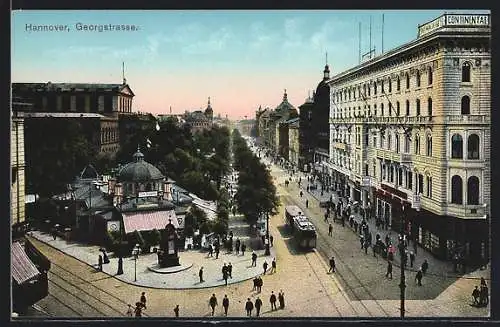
[{"x": 167, "y": 260}]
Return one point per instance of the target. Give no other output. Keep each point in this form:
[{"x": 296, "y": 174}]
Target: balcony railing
[
  {"x": 481, "y": 119},
  {"x": 405, "y": 158}
]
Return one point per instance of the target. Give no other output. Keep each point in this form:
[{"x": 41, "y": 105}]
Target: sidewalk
[{"x": 188, "y": 278}]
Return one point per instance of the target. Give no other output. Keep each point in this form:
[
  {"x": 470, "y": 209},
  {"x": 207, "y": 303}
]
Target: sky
[{"x": 241, "y": 59}]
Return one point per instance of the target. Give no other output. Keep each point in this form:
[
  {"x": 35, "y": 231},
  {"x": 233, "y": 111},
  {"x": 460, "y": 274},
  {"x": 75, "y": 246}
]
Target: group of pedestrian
[
  {"x": 139, "y": 306},
  {"x": 480, "y": 295},
  {"x": 249, "y": 305},
  {"x": 257, "y": 284},
  {"x": 227, "y": 272}
]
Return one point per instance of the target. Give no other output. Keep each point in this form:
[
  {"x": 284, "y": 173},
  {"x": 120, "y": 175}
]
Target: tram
[{"x": 303, "y": 230}]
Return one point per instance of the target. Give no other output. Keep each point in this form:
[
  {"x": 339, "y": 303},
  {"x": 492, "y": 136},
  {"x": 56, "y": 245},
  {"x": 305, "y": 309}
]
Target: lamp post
[
  {"x": 135, "y": 253},
  {"x": 267, "y": 252},
  {"x": 402, "y": 253}
]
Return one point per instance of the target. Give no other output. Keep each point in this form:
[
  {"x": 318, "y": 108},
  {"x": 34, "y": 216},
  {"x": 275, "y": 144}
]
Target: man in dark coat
[
  {"x": 272, "y": 299},
  {"x": 412, "y": 258},
  {"x": 200, "y": 273},
  {"x": 332, "y": 265},
  {"x": 249, "y": 307},
  {"x": 265, "y": 267},
  {"x": 255, "y": 283},
  {"x": 143, "y": 299},
  {"x": 230, "y": 270},
  {"x": 217, "y": 250},
  {"x": 389, "y": 269},
  {"x": 271, "y": 239},
  {"x": 243, "y": 248},
  {"x": 418, "y": 277},
  {"x": 258, "y": 305},
  {"x": 281, "y": 299},
  {"x": 307, "y": 203},
  {"x": 210, "y": 250},
  {"x": 259, "y": 284},
  {"x": 475, "y": 295},
  {"x": 99, "y": 263},
  {"x": 330, "y": 229},
  {"x": 213, "y": 303},
  {"x": 225, "y": 304},
  {"x": 254, "y": 259},
  {"x": 425, "y": 266},
  {"x": 237, "y": 246}
]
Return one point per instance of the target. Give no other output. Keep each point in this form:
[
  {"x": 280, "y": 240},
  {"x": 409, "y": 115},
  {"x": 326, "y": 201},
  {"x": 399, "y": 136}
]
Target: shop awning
[
  {"x": 148, "y": 220},
  {"x": 23, "y": 269}
]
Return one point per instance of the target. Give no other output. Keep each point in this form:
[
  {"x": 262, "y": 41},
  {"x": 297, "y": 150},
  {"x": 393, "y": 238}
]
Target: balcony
[
  {"x": 468, "y": 119},
  {"x": 405, "y": 158},
  {"x": 467, "y": 211}
]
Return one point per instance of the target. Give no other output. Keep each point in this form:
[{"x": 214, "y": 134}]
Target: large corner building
[{"x": 411, "y": 129}]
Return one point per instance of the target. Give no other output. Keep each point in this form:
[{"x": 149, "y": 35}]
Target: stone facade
[
  {"x": 293, "y": 141},
  {"x": 412, "y": 128},
  {"x": 17, "y": 164}
]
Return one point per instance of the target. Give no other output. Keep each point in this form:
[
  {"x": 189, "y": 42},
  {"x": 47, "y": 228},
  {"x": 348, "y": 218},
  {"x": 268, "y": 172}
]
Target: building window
[
  {"x": 420, "y": 184},
  {"x": 407, "y": 144},
  {"x": 417, "y": 144},
  {"x": 465, "y": 105},
  {"x": 407, "y": 107},
  {"x": 389, "y": 141},
  {"x": 382, "y": 109},
  {"x": 389, "y": 82},
  {"x": 397, "y": 143},
  {"x": 364, "y": 89},
  {"x": 417, "y": 77},
  {"x": 456, "y": 189},
  {"x": 429, "y": 145},
  {"x": 374, "y": 141},
  {"x": 473, "y": 190},
  {"x": 429, "y": 107},
  {"x": 382, "y": 86},
  {"x": 466, "y": 72},
  {"x": 390, "y": 109},
  {"x": 369, "y": 87},
  {"x": 400, "y": 176},
  {"x": 456, "y": 146},
  {"x": 410, "y": 180},
  {"x": 66, "y": 103},
  {"x": 375, "y": 88},
  {"x": 473, "y": 146},
  {"x": 397, "y": 109},
  {"x": 429, "y": 186},
  {"x": 375, "y": 110},
  {"x": 398, "y": 84},
  {"x": 407, "y": 81},
  {"x": 417, "y": 109},
  {"x": 429, "y": 76},
  {"x": 14, "y": 175}
]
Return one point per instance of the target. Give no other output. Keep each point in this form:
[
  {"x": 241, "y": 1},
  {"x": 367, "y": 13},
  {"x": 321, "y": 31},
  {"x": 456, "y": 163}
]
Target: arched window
[
  {"x": 375, "y": 88},
  {"x": 375, "y": 110},
  {"x": 473, "y": 190},
  {"x": 382, "y": 86},
  {"x": 465, "y": 105},
  {"x": 397, "y": 108},
  {"x": 382, "y": 109},
  {"x": 456, "y": 146},
  {"x": 473, "y": 146},
  {"x": 407, "y": 107},
  {"x": 389, "y": 141},
  {"x": 389, "y": 82},
  {"x": 417, "y": 144},
  {"x": 397, "y": 143},
  {"x": 417, "y": 77},
  {"x": 466, "y": 72},
  {"x": 398, "y": 84},
  {"x": 456, "y": 189},
  {"x": 429, "y": 107},
  {"x": 429, "y": 145},
  {"x": 369, "y": 89},
  {"x": 407, "y": 144},
  {"x": 429, "y": 186},
  {"x": 429, "y": 76},
  {"x": 407, "y": 81},
  {"x": 390, "y": 109},
  {"x": 418, "y": 107},
  {"x": 364, "y": 89}
]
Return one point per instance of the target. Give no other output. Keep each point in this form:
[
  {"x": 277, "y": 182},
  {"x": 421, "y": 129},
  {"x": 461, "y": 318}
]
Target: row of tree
[{"x": 256, "y": 194}]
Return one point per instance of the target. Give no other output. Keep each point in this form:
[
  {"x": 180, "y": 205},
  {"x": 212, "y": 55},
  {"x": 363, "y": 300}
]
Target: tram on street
[{"x": 303, "y": 230}]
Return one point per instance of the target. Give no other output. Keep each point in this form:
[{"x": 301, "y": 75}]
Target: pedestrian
[
  {"x": 130, "y": 311},
  {"x": 271, "y": 239},
  {"x": 281, "y": 299},
  {"x": 424, "y": 266},
  {"x": 475, "y": 295},
  {"x": 224, "y": 269},
  {"x": 255, "y": 283},
  {"x": 258, "y": 305},
  {"x": 237, "y": 246},
  {"x": 412, "y": 258},
  {"x": 217, "y": 250},
  {"x": 200, "y": 273},
  {"x": 326, "y": 216},
  {"x": 259, "y": 284},
  {"x": 332, "y": 265},
  {"x": 265, "y": 267},
  {"x": 225, "y": 304},
  {"x": 273, "y": 266},
  {"x": 243, "y": 248},
  {"x": 213, "y": 303},
  {"x": 367, "y": 244},
  {"x": 415, "y": 246},
  {"x": 301, "y": 193},
  {"x": 143, "y": 299},
  {"x": 307, "y": 203},
  {"x": 210, "y": 250},
  {"x": 483, "y": 282},
  {"x": 272, "y": 299},
  {"x": 483, "y": 295},
  {"x": 361, "y": 241},
  {"x": 254, "y": 259},
  {"x": 230, "y": 270},
  {"x": 99, "y": 263},
  {"x": 330, "y": 229},
  {"x": 138, "y": 309},
  {"x": 418, "y": 277},
  {"x": 54, "y": 233},
  {"x": 225, "y": 276},
  {"x": 176, "y": 311},
  {"x": 234, "y": 211},
  {"x": 389, "y": 269},
  {"x": 249, "y": 307}
]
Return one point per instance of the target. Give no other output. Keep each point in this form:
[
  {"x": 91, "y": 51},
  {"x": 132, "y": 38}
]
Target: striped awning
[
  {"x": 23, "y": 269},
  {"x": 148, "y": 220}
]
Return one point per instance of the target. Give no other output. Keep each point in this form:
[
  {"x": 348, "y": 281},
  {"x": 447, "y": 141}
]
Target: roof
[
  {"x": 292, "y": 120},
  {"x": 139, "y": 170},
  {"x": 303, "y": 223},
  {"x": 148, "y": 220},
  {"x": 92, "y": 87},
  {"x": 23, "y": 269},
  {"x": 62, "y": 115}
]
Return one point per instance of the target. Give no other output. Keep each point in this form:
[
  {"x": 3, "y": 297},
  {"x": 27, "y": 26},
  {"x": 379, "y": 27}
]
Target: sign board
[
  {"x": 454, "y": 20},
  {"x": 113, "y": 226},
  {"x": 148, "y": 194}
]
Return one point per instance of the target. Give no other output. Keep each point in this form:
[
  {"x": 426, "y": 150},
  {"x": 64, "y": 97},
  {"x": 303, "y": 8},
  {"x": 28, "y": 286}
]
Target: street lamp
[
  {"x": 135, "y": 253},
  {"x": 267, "y": 252},
  {"x": 402, "y": 252}
]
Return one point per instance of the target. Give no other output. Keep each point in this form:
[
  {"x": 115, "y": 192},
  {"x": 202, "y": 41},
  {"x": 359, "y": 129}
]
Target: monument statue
[{"x": 168, "y": 254}]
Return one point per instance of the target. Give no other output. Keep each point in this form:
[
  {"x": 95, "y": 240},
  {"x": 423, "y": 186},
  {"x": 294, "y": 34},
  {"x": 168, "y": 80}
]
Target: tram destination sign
[{"x": 454, "y": 20}]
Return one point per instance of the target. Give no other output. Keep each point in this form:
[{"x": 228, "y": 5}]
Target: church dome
[{"x": 139, "y": 170}]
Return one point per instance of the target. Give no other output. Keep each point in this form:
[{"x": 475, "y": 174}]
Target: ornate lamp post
[
  {"x": 135, "y": 252},
  {"x": 402, "y": 284},
  {"x": 267, "y": 252}
]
